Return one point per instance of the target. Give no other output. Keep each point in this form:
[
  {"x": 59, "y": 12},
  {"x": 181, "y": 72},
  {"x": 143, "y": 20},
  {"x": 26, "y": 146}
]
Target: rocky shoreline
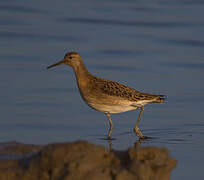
[{"x": 82, "y": 160}]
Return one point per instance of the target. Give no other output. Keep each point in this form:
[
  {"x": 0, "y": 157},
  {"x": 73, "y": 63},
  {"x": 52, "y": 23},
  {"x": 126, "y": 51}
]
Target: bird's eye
[{"x": 70, "y": 57}]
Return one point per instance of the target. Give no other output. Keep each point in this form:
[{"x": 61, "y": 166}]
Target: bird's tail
[{"x": 160, "y": 99}]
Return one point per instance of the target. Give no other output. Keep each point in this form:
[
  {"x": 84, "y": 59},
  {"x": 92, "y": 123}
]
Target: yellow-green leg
[
  {"x": 110, "y": 125},
  {"x": 136, "y": 128}
]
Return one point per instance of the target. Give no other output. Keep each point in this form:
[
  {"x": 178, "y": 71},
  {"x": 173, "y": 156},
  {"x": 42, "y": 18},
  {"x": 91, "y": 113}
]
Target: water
[{"x": 155, "y": 47}]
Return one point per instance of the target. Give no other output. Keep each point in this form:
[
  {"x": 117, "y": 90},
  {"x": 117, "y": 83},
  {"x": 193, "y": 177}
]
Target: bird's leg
[
  {"x": 110, "y": 125},
  {"x": 136, "y": 128}
]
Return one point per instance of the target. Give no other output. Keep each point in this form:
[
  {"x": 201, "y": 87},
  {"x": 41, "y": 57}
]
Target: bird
[{"x": 107, "y": 96}]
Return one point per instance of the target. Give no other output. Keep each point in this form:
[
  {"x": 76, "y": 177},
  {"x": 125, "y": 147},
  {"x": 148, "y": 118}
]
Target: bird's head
[{"x": 71, "y": 59}]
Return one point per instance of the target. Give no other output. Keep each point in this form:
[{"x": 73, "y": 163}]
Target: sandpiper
[{"x": 107, "y": 96}]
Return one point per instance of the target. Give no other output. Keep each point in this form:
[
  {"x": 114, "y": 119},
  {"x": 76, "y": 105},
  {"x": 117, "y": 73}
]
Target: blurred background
[{"x": 155, "y": 47}]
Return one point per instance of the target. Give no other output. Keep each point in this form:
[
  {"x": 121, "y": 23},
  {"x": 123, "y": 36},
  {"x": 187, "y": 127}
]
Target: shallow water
[{"x": 154, "y": 47}]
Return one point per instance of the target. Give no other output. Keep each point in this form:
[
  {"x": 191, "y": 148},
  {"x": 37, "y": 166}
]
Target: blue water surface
[{"x": 152, "y": 46}]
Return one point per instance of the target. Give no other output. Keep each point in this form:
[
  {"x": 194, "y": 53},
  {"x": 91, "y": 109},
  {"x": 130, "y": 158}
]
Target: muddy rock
[{"x": 82, "y": 160}]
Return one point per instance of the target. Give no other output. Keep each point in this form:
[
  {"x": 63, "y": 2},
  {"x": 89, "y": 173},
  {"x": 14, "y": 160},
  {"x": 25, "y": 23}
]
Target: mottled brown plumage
[
  {"x": 117, "y": 89},
  {"x": 107, "y": 96}
]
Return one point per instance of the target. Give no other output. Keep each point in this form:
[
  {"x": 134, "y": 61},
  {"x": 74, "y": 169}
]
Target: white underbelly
[{"x": 111, "y": 108}]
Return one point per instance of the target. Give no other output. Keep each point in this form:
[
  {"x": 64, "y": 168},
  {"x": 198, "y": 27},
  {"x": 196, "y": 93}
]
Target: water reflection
[
  {"x": 176, "y": 65},
  {"x": 36, "y": 36},
  {"x": 136, "y": 144},
  {"x": 183, "y": 42},
  {"x": 155, "y": 24},
  {"x": 23, "y": 9}
]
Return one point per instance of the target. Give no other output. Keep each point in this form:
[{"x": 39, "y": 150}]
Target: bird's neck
[{"x": 82, "y": 75}]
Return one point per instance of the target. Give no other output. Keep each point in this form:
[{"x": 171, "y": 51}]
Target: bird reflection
[
  {"x": 136, "y": 144},
  {"x": 110, "y": 144}
]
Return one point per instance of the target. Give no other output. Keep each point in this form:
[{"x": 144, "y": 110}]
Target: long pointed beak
[{"x": 56, "y": 64}]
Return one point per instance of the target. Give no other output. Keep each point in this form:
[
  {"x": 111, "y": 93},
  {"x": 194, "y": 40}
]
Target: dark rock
[{"x": 82, "y": 160}]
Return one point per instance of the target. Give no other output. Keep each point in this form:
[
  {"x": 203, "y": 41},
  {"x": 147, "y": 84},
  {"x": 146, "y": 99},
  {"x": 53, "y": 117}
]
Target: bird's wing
[{"x": 117, "y": 89}]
